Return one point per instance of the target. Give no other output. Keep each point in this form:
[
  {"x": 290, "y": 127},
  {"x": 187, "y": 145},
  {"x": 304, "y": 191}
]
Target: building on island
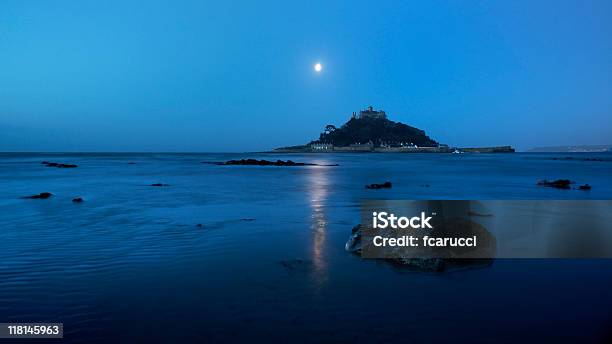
[
  {"x": 371, "y": 113},
  {"x": 320, "y": 146},
  {"x": 369, "y": 145}
]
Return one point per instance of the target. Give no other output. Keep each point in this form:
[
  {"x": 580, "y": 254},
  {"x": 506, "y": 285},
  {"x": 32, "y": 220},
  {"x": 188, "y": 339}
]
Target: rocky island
[{"x": 371, "y": 131}]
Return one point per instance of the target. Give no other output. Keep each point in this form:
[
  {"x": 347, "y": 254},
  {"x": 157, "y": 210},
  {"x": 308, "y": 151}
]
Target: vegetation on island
[{"x": 379, "y": 131}]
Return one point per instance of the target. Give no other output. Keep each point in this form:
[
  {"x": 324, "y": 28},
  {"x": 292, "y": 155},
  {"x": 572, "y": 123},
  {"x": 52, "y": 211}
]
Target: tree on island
[{"x": 330, "y": 128}]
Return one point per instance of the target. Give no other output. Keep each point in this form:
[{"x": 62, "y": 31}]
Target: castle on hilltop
[{"x": 370, "y": 113}]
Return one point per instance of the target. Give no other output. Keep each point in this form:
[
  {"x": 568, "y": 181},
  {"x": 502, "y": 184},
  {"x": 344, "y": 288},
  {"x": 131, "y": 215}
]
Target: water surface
[{"x": 130, "y": 263}]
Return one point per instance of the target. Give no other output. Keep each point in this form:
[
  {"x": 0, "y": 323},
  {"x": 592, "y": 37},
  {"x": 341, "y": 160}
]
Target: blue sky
[{"x": 238, "y": 75}]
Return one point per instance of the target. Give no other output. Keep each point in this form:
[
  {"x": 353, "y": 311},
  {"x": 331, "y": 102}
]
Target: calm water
[{"x": 130, "y": 263}]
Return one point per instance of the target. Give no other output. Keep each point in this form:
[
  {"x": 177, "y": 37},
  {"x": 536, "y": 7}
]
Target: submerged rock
[
  {"x": 77, "y": 200},
  {"x": 58, "y": 165},
  {"x": 558, "y": 184},
  {"x": 255, "y": 162},
  {"x": 584, "y": 187},
  {"x": 477, "y": 214},
  {"x": 42, "y": 195},
  {"x": 385, "y": 185},
  {"x": 160, "y": 184},
  {"x": 579, "y": 159},
  {"x": 296, "y": 265}
]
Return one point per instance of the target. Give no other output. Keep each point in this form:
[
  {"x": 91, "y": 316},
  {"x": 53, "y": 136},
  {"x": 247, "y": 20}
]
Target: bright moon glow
[{"x": 318, "y": 67}]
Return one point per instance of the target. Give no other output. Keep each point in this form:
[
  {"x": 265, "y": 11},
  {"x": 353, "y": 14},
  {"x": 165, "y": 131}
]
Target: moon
[{"x": 318, "y": 67}]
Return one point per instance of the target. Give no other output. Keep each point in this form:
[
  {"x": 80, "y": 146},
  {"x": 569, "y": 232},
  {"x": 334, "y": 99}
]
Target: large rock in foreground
[{"x": 356, "y": 243}]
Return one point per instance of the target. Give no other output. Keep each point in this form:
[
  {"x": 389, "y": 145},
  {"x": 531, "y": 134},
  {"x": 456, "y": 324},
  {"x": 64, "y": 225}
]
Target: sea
[{"x": 257, "y": 253}]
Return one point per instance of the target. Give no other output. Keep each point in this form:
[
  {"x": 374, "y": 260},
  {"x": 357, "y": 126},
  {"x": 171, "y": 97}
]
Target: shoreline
[{"x": 436, "y": 150}]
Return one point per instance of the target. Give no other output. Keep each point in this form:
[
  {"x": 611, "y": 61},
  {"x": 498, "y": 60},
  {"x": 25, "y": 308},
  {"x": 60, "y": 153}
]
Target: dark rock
[
  {"x": 265, "y": 163},
  {"x": 255, "y": 162},
  {"x": 385, "y": 185},
  {"x": 248, "y": 219},
  {"x": 131, "y": 163},
  {"x": 354, "y": 243},
  {"x": 199, "y": 225},
  {"x": 558, "y": 184},
  {"x": 160, "y": 184},
  {"x": 58, "y": 165},
  {"x": 42, "y": 195},
  {"x": 584, "y": 187},
  {"x": 77, "y": 200},
  {"x": 425, "y": 185}
]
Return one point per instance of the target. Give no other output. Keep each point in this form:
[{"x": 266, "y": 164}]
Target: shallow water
[{"x": 130, "y": 262}]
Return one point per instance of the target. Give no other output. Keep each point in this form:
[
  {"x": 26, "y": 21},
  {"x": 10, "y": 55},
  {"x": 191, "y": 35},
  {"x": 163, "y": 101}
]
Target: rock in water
[
  {"x": 255, "y": 162},
  {"x": 160, "y": 184},
  {"x": 77, "y": 200},
  {"x": 265, "y": 163},
  {"x": 385, "y": 185},
  {"x": 58, "y": 165},
  {"x": 558, "y": 184},
  {"x": 42, "y": 195},
  {"x": 354, "y": 243},
  {"x": 585, "y": 187}
]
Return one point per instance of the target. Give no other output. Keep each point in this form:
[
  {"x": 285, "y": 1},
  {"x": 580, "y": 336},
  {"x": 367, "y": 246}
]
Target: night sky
[{"x": 238, "y": 75}]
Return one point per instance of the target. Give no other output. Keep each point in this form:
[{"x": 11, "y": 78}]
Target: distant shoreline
[{"x": 572, "y": 149}]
